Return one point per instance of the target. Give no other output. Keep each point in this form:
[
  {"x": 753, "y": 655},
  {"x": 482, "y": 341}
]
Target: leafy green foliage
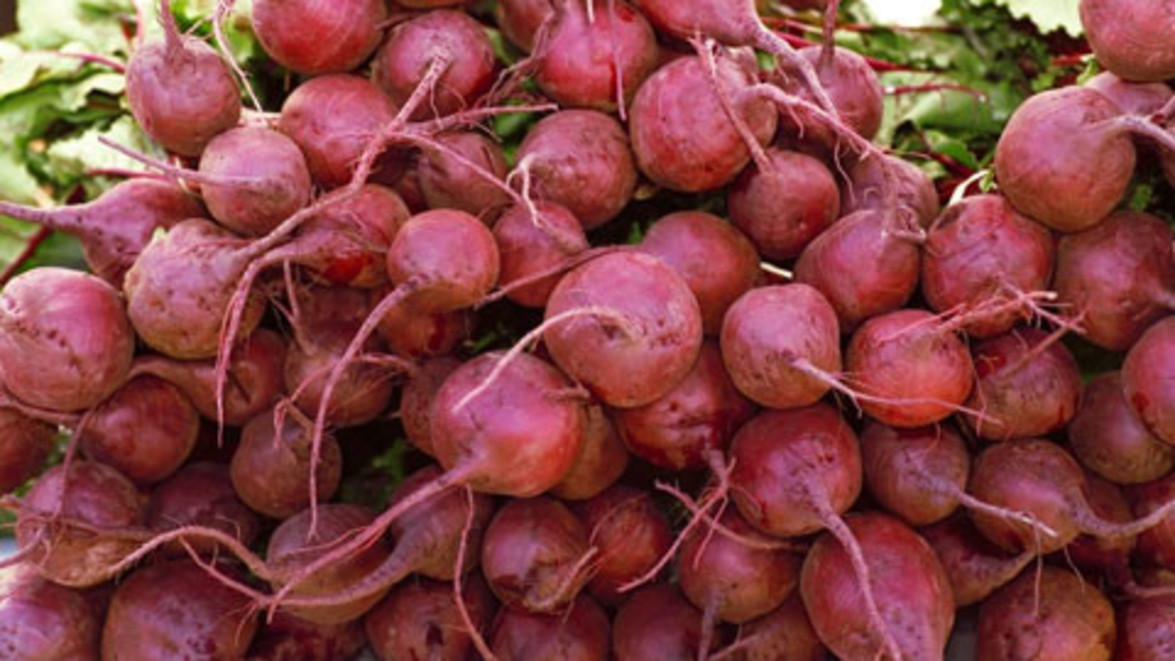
[{"x": 1046, "y": 15}]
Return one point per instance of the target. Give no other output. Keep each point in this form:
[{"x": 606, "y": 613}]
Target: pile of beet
[{"x": 820, "y": 423}]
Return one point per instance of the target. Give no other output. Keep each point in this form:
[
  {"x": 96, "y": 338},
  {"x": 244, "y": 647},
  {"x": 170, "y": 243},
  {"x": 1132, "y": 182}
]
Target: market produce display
[{"x": 590, "y": 329}]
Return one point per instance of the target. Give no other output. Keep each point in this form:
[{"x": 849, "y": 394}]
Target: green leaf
[
  {"x": 1048, "y": 15},
  {"x": 49, "y": 24},
  {"x": 70, "y": 158}
]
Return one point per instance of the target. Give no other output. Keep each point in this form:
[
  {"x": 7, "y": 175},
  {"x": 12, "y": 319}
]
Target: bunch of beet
[{"x": 821, "y": 422}]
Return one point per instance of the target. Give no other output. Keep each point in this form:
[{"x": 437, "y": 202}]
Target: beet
[
  {"x": 602, "y": 460},
  {"x": 1046, "y": 613},
  {"x": 448, "y": 45},
  {"x": 291, "y": 550},
  {"x": 1146, "y": 629},
  {"x": 200, "y": 494},
  {"x": 863, "y": 265},
  {"x": 974, "y": 566},
  {"x": 418, "y": 619},
  {"x": 173, "y": 610},
  {"x": 1146, "y": 382},
  {"x": 449, "y": 183},
  {"x": 254, "y": 377},
  {"x": 145, "y": 430},
  {"x": 682, "y": 136},
  {"x": 181, "y": 286},
  {"x": 582, "y": 633},
  {"x": 1156, "y": 546},
  {"x": 534, "y": 555},
  {"x": 410, "y": 333},
  {"x": 96, "y": 497},
  {"x": 595, "y": 56},
  {"x": 270, "y": 471},
  {"x": 866, "y": 187},
  {"x": 631, "y": 535},
  {"x": 730, "y": 580},
  {"x": 691, "y": 426},
  {"x": 115, "y": 227},
  {"x": 580, "y": 159},
  {"x": 520, "y": 20},
  {"x": 657, "y": 623},
  {"x": 716, "y": 260},
  {"x": 916, "y": 602},
  {"x": 918, "y": 474},
  {"x": 332, "y": 118},
  {"x": 981, "y": 249},
  {"x": 25, "y": 444},
  {"x": 65, "y": 343},
  {"x": 1026, "y": 385},
  {"x": 1120, "y": 274},
  {"x": 913, "y": 367},
  {"x": 851, "y": 85},
  {"x": 529, "y": 248},
  {"x": 781, "y": 345},
  {"x": 1042, "y": 480},
  {"x": 626, "y": 326},
  {"x": 1142, "y": 99},
  {"x": 44, "y": 621},
  {"x": 416, "y": 400},
  {"x": 1107, "y": 556},
  {"x": 784, "y": 633},
  {"x": 313, "y": 37},
  {"x": 326, "y": 321},
  {"x": 181, "y": 91},
  {"x": 288, "y": 638},
  {"x": 346, "y": 244},
  {"x": 1046, "y": 156},
  {"x": 784, "y": 207},
  {"x": 1115, "y": 30},
  {"x": 1107, "y": 437}
]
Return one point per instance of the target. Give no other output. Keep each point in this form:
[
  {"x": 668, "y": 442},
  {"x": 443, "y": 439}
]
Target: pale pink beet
[
  {"x": 717, "y": 261},
  {"x": 65, "y": 340},
  {"x": 783, "y": 208},
  {"x": 682, "y": 136},
  {"x": 313, "y": 37},
  {"x": 580, "y": 159}
]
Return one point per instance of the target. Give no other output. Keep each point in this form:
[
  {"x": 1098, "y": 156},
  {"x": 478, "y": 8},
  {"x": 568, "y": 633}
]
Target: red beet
[
  {"x": 1121, "y": 274},
  {"x": 115, "y": 227},
  {"x": 866, "y": 187},
  {"x": 915, "y": 596},
  {"x": 25, "y": 444},
  {"x": 626, "y": 326},
  {"x": 602, "y": 459},
  {"x": 418, "y": 619},
  {"x": 982, "y": 249},
  {"x": 1156, "y": 546},
  {"x": 580, "y": 159},
  {"x": 271, "y": 471},
  {"x": 97, "y": 497},
  {"x": 1026, "y": 385},
  {"x": 1146, "y": 380},
  {"x": 1108, "y": 438},
  {"x": 145, "y": 430},
  {"x": 448, "y": 179},
  {"x": 416, "y": 400},
  {"x": 332, "y": 118},
  {"x": 173, "y": 610},
  {"x": 581, "y": 634},
  {"x": 915, "y": 366},
  {"x": 691, "y": 426},
  {"x": 254, "y": 381},
  {"x": 1107, "y": 556},
  {"x": 595, "y": 55},
  {"x": 65, "y": 343},
  {"x": 288, "y": 638},
  {"x": 1046, "y": 613},
  {"x": 781, "y": 345},
  {"x": 863, "y": 264},
  {"x": 681, "y": 133},
  {"x": 1115, "y": 30},
  {"x": 449, "y": 45},
  {"x": 347, "y": 243},
  {"x": 783, "y": 208},
  {"x": 520, "y": 20},
  {"x": 535, "y": 555},
  {"x": 918, "y": 474},
  {"x": 631, "y": 535},
  {"x": 716, "y": 260},
  {"x": 181, "y": 91},
  {"x": 45, "y": 621},
  {"x": 200, "y": 494},
  {"x": 529, "y": 247},
  {"x": 655, "y": 624},
  {"x": 410, "y": 333},
  {"x": 785, "y": 633},
  {"x": 313, "y": 37},
  {"x": 974, "y": 566},
  {"x": 853, "y": 88},
  {"x": 1143, "y": 99},
  {"x": 1146, "y": 629}
]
